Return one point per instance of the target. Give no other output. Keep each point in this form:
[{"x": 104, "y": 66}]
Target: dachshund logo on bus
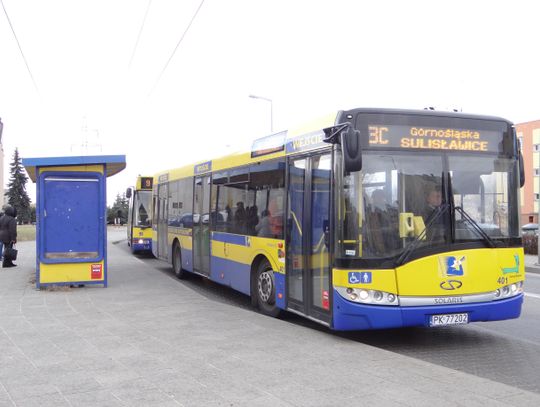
[
  {"x": 451, "y": 268},
  {"x": 454, "y": 265}
]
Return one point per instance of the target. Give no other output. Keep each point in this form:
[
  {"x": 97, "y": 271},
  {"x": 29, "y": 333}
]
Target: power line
[
  {"x": 140, "y": 32},
  {"x": 175, "y": 48},
  {"x": 19, "y": 45}
]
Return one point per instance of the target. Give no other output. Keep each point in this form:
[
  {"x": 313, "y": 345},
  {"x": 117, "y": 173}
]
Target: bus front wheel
[
  {"x": 266, "y": 290},
  {"x": 177, "y": 262}
]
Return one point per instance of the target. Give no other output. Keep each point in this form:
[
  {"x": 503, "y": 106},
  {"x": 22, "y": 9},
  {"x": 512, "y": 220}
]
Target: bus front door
[
  {"x": 308, "y": 222},
  {"x": 201, "y": 226}
]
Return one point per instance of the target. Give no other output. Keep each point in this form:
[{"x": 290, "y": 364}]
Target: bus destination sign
[
  {"x": 306, "y": 142},
  {"x": 147, "y": 182},
  {"x": 433, "y": 138},
  {"x": 202, "y": 168}
]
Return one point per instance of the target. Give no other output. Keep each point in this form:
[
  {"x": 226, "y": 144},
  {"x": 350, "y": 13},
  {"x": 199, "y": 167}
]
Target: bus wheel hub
[{"x": 265, "y": 286}]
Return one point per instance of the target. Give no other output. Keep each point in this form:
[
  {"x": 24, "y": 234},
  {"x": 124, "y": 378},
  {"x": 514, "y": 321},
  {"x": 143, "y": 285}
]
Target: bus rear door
[
  {"x": 201, "y": 225},
  {"x": 162, "y": 222}
]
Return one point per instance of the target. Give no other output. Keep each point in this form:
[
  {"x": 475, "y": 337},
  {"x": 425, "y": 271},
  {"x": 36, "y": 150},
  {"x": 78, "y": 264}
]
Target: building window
[
  {"x": 536, "y": 172},
  {"x": 536, "y": 147},
  {"x": 537, "y": 197}
]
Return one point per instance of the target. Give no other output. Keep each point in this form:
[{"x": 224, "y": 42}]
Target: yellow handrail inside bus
[{"x": 297, "y": 223}]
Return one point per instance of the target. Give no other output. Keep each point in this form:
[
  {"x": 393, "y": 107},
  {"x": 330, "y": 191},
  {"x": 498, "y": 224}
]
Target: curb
[{"x": 532, "y": 269}]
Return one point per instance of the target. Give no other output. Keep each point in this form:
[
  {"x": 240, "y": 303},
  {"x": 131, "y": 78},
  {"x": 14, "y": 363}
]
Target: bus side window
[
  {"x": 220, "y": 217},
  {"x": 267, "y": 183}
]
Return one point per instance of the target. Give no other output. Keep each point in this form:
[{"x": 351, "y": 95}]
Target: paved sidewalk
[
  {"x": 148, "y": 340},
  {"x": 531, "y": 263}
]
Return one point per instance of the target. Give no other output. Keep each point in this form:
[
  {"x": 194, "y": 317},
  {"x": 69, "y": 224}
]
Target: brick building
[{"x": 529, "y": 136}]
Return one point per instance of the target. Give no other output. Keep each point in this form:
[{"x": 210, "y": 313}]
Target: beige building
[{"x": 529, "y": 136}]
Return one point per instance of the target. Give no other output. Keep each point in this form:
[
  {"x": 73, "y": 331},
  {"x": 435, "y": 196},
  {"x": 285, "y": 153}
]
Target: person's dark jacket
[{"x": 8, "y": 226}]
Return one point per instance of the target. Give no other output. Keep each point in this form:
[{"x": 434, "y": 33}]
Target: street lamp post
[{"x": 271, "y": 110}]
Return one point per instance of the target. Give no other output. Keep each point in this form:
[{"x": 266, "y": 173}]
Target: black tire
[
  {"x": 265, "y": 290},
  {"x": 177, "y": 262}
]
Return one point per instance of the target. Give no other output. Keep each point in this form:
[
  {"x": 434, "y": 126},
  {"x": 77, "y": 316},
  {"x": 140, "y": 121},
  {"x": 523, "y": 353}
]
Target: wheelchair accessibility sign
[{"x": 360, "y": 277}]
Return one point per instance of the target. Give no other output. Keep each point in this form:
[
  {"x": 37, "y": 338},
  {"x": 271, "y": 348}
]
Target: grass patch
[{"x": 26, "y": 233}]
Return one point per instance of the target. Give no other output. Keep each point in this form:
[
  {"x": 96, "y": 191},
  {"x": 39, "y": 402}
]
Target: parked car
[{"x": 530, "y": 228}]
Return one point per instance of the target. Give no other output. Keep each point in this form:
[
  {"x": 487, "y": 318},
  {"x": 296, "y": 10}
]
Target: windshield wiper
[
  {"x": 436, "y": 215},
  {"x": 478, "y": 229},
  {"x": 464, "y": 215}
]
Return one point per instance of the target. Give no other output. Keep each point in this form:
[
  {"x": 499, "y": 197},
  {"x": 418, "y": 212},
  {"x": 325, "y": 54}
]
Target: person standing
[
  {"x": 1, "y": 243},
  {"x": 263, "y": 227},
  {"x": 436, "y": 232},
  {"x": 382, "y": 218},
  {"x": 433, "y": 201},
  {"x": 8, "y": 232}
]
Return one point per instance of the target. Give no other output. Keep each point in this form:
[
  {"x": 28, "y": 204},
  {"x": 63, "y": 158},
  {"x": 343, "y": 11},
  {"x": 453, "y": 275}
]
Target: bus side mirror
[
  {"x": 128, "y": 193},
  {"x": 521, "y": 171},
  {"x": 352, "y": 152}
]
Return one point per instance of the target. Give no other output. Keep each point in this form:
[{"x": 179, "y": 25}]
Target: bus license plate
[{"x": 448, "y": 319}]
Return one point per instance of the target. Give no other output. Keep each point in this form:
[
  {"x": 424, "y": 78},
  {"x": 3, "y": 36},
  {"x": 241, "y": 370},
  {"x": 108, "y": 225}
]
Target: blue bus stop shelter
[{"x": 71, "y": 212}]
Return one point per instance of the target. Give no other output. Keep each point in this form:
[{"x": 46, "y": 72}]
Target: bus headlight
[
  {"x": 364, "y": 296},
  {"x": 508, "y": 291}
]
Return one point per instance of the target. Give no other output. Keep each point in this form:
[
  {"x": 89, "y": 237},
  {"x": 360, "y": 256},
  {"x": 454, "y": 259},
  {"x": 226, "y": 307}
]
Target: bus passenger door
[
  {"x": 201, "y": 225},
  {"x": 162, "y": 222},
  {"x": 308, "y": 229},
  {"x": 130, "y": 219}
]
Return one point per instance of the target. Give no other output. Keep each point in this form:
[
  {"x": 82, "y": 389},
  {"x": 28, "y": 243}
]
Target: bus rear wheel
[
  {"x": 177, "y": 262},
  {"x": 265, "y": 290}
]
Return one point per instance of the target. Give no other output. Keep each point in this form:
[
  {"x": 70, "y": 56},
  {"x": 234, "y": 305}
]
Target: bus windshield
[
  {"x": 141, "y": 208},
  {"x": 460, "y": 197}
]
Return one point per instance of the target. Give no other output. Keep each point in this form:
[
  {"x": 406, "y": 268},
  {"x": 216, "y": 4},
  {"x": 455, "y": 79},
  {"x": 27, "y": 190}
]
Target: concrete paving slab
[
  {"x": 531, "y": 264},
  {"x": 151, "y": 340}
]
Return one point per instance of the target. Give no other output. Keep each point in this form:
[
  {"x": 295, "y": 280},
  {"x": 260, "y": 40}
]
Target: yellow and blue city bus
[
  {"x": 368, "y": 219},
  {"x": 139, "y": 224}
]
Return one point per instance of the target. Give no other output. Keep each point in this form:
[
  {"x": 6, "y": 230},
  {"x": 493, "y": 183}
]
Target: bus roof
[
  {"x": 248, "y": 157},
  {"x": 341, "y": 117},
  {"x": 307, "y": 136}
]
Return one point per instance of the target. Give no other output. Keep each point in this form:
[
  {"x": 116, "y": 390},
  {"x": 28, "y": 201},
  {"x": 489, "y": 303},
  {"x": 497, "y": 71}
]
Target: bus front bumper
[
  {"x": 349, "y": 316},
  {"x": 138, "y": 246}
]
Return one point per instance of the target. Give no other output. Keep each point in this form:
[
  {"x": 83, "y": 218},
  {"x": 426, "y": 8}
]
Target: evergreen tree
[
  {"x": 17, "y": 195},
  {"x": 119, "y": 209}
]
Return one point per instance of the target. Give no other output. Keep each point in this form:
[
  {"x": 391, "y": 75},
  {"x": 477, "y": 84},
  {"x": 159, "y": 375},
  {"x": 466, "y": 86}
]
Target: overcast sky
[{"x": 100, "y": 80}]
